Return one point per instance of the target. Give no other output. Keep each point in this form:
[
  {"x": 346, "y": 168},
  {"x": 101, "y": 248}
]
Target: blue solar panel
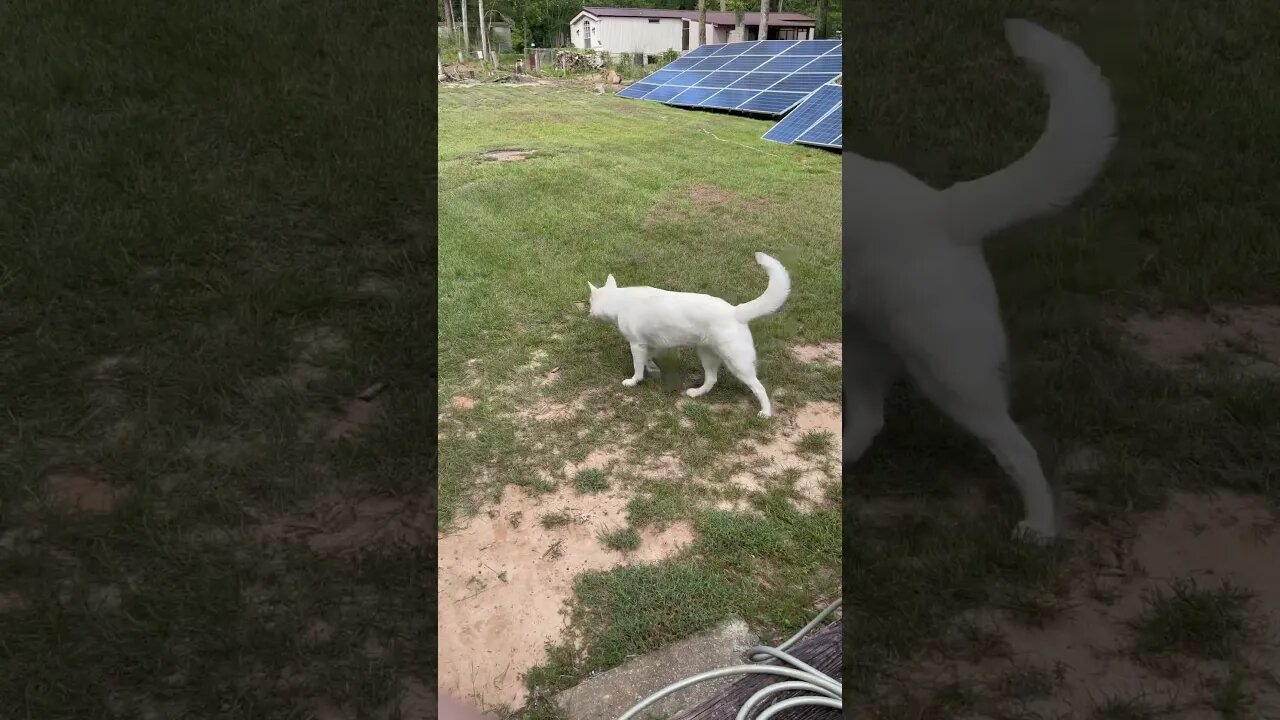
[
  {"x": 766, "y": 77},
  {"x": 817, "y": 121},
  {"x": 701, "y": 51},
  {"x": 773, "y": 103},
  {"x": 826, "y": 132},
  {"x": 637, "y": 90}
]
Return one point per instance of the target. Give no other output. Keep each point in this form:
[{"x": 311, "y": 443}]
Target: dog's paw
[
  {"x": 694, "y": 392},
  {"x": 1024, "y": 532},
  {"x": 629, "y": 382},
  {"x": 765, "y": 414}
]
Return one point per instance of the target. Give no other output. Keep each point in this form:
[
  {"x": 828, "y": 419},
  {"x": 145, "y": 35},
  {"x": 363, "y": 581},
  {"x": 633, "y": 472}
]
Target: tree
[
  {"x": 484, "y": 35},
  {"x": 702, "y": 22},
  {"x": 466, "y": 44},
  {"x": 821, "y": 29},
  {"x": 764, "y": 20}
]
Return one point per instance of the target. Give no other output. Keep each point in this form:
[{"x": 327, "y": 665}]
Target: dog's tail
[
  {"x": 1067, "y": 158},
  {"x": 774, "y": 295}
]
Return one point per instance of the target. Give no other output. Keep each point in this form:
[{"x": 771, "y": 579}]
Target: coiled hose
[{"x": 820, "y": 688}]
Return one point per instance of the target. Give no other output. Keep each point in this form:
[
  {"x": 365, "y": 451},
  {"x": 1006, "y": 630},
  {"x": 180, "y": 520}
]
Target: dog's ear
[
  {"x": 610, "y": 282},
  {"x": 593, "y": 287}
]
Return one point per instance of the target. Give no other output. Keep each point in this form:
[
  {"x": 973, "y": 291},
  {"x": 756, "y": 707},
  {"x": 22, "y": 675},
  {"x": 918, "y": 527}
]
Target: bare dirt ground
[
  {"x": 507, "y": 573},
  {"x": 1104, "y": 652},
  {"x": 1083, "y": 663}
]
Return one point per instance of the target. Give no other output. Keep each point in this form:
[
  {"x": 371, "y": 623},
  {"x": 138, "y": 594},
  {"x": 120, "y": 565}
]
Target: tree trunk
[
  {"x": 702, "y": 22},
  {"x": 466, "y": 31},
  {"x": 484, "y": 36},
  {"x": 739, "y": 25},
  {"x": 822, "y": 651},
  {"x": 723, "y": 8},
  {"x": 764, "y": 20},
  {"x": 820, "y": 22},
  {"x": 447, "y": 6}
]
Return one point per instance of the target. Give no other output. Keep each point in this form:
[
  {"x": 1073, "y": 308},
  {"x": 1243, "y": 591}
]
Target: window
[
  {"x": 792, "y": 33},
  {"x": 684, "y": 36},
  {"x": 653, "y": 20}
]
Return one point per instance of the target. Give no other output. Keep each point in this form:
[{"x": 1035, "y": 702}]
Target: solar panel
[
  {"x": 767, "y": 77},
  {"x": 815, "y": 122}
]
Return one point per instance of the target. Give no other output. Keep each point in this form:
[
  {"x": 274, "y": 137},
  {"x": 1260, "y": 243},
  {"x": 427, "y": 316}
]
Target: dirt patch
[
  {"x": 807, "y": 447},
  {"x": 1083, "y": 660},
  {"x": 1245, "y": 339},
  {"x": 315, "y": 350},
  {"x": 504, "y": 579},
  {"x": 375, "y": 286},
  {"x": 462, "y": 402},
  {"x": 507, "y": 155},
  {"x": 710, "y": 195},
  {"x": 828, "y": 353},
  {"x": 104, "y": 379},
  {"x": 75, "y": 489},
  {"x": 355, "y": 415},
  {"x": 339, "y": 524}
]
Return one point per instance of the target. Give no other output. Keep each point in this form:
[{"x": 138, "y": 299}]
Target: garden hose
[{"x": 821, "y": 689}]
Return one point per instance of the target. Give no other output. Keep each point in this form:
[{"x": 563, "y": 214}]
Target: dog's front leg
[{"x": 639, "y": 358}]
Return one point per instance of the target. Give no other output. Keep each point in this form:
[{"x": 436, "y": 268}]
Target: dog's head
[{"x": 599, "y": 297}]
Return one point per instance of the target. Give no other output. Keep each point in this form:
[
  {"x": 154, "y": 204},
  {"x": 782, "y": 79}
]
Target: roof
[{"x": 714, "y": 18}]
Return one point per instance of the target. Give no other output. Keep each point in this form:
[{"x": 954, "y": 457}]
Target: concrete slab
[{"x": 609, "y": 694}]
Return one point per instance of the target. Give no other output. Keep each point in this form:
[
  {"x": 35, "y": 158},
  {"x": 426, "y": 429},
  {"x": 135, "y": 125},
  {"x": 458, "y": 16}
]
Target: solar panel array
[
  {"x": 767, "y": 77},
  {"x": 815, "y": 122}
]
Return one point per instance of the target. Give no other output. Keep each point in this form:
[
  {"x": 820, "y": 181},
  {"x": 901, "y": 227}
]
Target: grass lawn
[
  {"x": 1183, "y": 221},
  {"x": 530, "y": 387},
  {"x": 217, "y": 385}
]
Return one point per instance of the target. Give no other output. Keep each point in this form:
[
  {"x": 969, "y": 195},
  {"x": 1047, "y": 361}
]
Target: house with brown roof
[{"x": 653, "y": 31}]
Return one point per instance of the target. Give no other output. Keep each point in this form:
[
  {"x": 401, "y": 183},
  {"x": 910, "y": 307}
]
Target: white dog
[
  {"x": 652, "y": 320},
  {"x": 919, "y": 298}
]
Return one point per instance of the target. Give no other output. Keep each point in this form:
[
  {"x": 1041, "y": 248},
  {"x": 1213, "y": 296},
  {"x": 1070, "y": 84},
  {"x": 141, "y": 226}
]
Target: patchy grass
[
  {"x": 1209, "y": 623},
  {"x": 622, "y": 540},
  {"x": 650, "y": 194},
  {"x": 590, "y": 481},
  {"x": 815, "y": 442},
  {"x": 1180, "y": 220},
  {"x": 214, "y": 303},
  {"x": 557, "y": 519}
]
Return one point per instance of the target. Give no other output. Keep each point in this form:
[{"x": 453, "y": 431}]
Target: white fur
[
  {"x": 653, "y": 320},
  {"x": 919, "y": 298}
]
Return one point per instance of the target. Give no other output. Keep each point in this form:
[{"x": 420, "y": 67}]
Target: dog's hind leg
[
  {"x": 746, "y": 372},
  {"x": 868, "y": 373},
  {"x": 710, "y": 372},
  {"x": 970, "y": 388}
]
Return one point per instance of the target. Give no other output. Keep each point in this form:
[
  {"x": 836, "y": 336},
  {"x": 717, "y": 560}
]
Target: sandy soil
[
  {"x": 1084, "y": 656},
  {"x": 504, "y": 579}
]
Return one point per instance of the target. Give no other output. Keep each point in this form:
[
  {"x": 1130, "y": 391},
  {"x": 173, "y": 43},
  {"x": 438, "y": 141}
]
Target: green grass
[
  {"x": 558, "y": 519},
  {"x": 195, "y": 190},
  {"x": 656, "y": 196},
  {"x": 1209, "y": 623},
  {"x": 621, "y": 540},
  {"x": 590, "y": 481},
  {"x": 1182, "y": 218}
]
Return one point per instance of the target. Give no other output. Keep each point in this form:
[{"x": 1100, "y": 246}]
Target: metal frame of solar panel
[
  {"x": 816, "y": 121},
  {"x": 767, "y": 77}
]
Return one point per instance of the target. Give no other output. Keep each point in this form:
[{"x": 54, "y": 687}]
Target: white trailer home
[{"x": 654, "y": 31}]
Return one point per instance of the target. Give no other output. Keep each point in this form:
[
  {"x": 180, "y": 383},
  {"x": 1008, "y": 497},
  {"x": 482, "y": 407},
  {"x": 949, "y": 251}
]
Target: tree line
[{"x": 545, "y": 23}]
